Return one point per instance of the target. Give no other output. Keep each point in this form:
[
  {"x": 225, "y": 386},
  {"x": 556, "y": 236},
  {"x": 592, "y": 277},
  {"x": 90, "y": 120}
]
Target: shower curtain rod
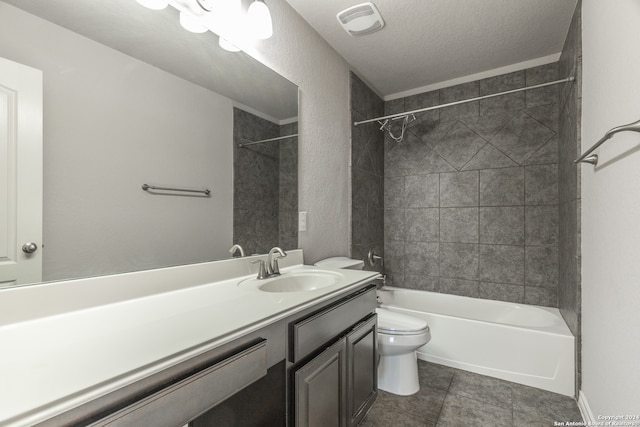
[
  {"x": 265, "y": 140},
  {"x": 478, "y": 98}
]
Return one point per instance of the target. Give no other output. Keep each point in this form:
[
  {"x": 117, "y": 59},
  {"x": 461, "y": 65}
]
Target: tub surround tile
[
  {"x": 502, "y": 264},
  {"x": 459, "y": 261},
  {"x": 541, "y": 225},
  {"x": 421, "y": 258},
  {"x": 422, "y": 191},
  {"x": 546, "y": 154},
  {"x": 541, "y": 266},
  {"x": 459, "y": 225},
  {"x": 521, "y": 137},
  {"x": 431, "y": 163},
  {"x": 465, "y": 288},
  {"x": 421, "y": 282},
  {"x": 459, "y": 189},
  {"x": 502, "y": 187},
  {"x": 489, "y": 157},
  {"x": 502, "y": 225},
  {"x": 459, "y": 145},
  {"x": 541, "y": 184},
  {"x": 501, "y": 292},
  {"x": 490, "y": 171},
  {"x": 422, "y": 224},
  {"x": 546, "y": 297}
]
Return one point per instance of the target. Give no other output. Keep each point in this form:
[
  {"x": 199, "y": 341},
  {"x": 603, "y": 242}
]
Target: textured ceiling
[{"x": 427, "y": 42}]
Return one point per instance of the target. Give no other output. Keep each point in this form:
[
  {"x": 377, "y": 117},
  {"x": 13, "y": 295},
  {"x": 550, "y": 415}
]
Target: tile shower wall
[
  {"x": 264, "y": 185},
  {"x": 569, "y": 287},
  {"x": 288, "y": 188},
  {"x": 471, "y": 193},
  {"x": 367, "y": 173}
]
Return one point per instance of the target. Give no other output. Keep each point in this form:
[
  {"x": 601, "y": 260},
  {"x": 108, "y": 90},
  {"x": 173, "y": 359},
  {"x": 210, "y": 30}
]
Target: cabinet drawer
[
  {"x": 181, "y": 402},
  {"x": 311, "y": 333}
]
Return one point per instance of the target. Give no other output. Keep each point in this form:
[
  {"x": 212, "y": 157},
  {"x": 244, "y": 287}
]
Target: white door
[{"x": 20, "y": 174}]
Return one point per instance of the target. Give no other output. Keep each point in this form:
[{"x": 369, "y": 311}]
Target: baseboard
[{"x": 585, "y": 410}]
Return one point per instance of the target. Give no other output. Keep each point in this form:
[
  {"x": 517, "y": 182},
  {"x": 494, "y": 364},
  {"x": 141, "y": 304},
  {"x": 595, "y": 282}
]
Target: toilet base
[{"x": 398, "y": 374}]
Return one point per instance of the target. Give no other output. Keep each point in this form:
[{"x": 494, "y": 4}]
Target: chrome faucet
[
  {"x": 272, "y": 261},
  {"x": 236, "y": 248}
]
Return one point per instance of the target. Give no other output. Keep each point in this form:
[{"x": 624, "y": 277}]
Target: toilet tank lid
[
  {"x": 397, "y": 322},
  {"x": 340, "y": 262}
]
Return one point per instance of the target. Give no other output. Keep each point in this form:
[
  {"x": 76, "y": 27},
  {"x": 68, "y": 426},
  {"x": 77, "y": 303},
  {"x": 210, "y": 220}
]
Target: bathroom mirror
[{"x": 132, "y": 98}]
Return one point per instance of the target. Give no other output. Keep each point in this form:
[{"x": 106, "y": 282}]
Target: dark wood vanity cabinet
[{"x": 334, "y": 372}]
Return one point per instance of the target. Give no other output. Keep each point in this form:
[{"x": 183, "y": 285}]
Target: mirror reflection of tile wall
[{"x": 265, "y": 185}]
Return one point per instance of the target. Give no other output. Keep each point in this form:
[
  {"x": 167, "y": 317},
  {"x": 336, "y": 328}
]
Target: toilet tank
[{"x": 341, "y": 262}]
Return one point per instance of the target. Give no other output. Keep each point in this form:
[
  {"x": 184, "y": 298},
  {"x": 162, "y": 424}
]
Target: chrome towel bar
[
  {"x": 147, "y": 187},
  {"x": 593, "y": 158}
]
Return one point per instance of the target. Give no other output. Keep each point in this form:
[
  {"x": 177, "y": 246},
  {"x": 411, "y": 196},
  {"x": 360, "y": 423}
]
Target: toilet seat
[{"x": 392, "y": 323}]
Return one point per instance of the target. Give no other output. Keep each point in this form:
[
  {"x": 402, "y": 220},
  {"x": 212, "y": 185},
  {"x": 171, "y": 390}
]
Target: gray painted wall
[{"x": 112, "y": 123}]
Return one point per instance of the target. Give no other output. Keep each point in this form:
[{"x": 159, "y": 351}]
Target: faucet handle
[
  {"x": 274, "y": 267},
  {"x": 262, "y": 269}
]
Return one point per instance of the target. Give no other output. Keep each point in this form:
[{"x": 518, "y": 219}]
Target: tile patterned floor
[{"x": 450, "y": 397}]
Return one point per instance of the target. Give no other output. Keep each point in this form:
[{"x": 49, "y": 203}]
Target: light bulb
[
  {"x": 259, "y": 20},
  {"x": 227, "y": 45},
  {"x": 154, "y": 4},
  {"x": 191, "y": 23}
]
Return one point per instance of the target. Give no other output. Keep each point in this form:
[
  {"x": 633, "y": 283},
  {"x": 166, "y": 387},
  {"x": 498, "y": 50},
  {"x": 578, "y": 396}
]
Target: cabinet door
[
  {"x": 320, "y": 389},
  {"x": 362, "y": 383}
]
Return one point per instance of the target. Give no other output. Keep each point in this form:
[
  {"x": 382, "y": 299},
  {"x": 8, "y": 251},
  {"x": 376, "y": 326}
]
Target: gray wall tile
[
  {"x": 521, "y": 137},
  {"x": 459, "y": 225},
  {"x": 546, "y": 297},
  {"x": 541, "y": 225},
  {"x": 421, "y": 258},
  {"x": 502, "y": 225},
  {"x": 541, "y": 266},
  {"x": 459, "y": 260},
  {"x": 422, "y": 191},
  {"x": 466, "y": 288},
  {"x": 502, "y": 264},
  {"x": 422, "y": 224},
  {"x": 459, "y": 189},
  {"x": 502, "y": 187},
  {"x": 501, "y": 292},
  {"x": 541, "y": 184},
  {"x": 459, "y": 179}
]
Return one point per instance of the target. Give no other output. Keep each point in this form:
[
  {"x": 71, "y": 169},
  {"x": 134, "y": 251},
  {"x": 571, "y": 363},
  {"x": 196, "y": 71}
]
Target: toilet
[{"x": 399, "y": 336}]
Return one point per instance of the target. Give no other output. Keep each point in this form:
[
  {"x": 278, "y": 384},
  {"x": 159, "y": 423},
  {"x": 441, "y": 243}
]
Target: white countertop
[{"x": 53, "y": 363}]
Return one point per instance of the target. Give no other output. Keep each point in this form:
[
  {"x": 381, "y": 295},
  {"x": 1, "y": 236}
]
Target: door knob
[{"x": 29, "y": 248}]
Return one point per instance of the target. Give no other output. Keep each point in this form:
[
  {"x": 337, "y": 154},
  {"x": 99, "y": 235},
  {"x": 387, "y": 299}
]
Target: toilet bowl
[{"x": 399, "y": 336}]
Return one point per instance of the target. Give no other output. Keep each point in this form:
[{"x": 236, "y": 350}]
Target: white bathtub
[{"x": 524, "y": 344}]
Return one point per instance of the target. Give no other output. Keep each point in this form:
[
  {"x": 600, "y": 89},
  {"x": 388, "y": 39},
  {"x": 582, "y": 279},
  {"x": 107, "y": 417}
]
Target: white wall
[
  {"x": 298, "y": 53},
  {"x": 611, "y": 209},
  {"x": 112, "y": 123}
]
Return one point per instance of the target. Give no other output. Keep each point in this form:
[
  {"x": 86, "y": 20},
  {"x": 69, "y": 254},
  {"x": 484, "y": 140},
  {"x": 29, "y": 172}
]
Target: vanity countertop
[{"x": 52, "y": 363}]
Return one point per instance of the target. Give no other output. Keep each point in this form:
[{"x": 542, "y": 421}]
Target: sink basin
[{"x": 294, "y": 281}]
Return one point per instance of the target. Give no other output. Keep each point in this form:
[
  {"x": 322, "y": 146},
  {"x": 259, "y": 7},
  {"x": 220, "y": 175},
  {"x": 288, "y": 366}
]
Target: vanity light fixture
[
  {"x": 259, "y": 20},
  {"x": 227, "y": 45},
  {"x": 224, "y": 18},
  {"x": 154, "y": 4},
  {"x": 192, "y": 23}
]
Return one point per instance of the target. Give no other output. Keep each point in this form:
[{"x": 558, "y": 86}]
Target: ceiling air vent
[{"x": 361, "y": 19}]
